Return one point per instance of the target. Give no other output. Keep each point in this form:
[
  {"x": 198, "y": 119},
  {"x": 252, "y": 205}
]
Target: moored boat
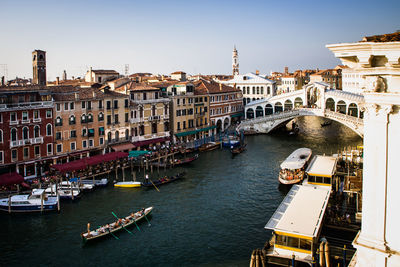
[
  {"x": 292, "y": 169},
  {"x": 179, "y": 162},
  {"x": 163, "y": 180},
  {"x": 238, "y": 150},
  {"x": 230, "y": 141},
  {"x": 209, "y": 146},
  {"x": 128, "y": 184},
  {"x": 116, "y": 226},
  {"x": 37, "y": 201},
  {"x": 99, "y": 183},
  {"x": 64, "y": 191}
]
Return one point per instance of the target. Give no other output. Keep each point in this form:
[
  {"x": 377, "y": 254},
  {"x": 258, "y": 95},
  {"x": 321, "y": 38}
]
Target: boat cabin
[
  {"x": 296, "y": 225},
  {"x": 321, "y": 170}
]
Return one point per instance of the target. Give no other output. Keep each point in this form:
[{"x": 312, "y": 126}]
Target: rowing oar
[
  {"x": 154, "y": 185},
  {"x": 147, "y": 219},
  {"x": 112, "y": 233},
  {"x": 121, "y": 223}
]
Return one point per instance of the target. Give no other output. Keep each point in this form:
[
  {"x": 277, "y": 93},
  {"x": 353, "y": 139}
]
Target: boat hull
[
  {"x": 127, "y": 184},
  {"x": 29, "y": 208}
]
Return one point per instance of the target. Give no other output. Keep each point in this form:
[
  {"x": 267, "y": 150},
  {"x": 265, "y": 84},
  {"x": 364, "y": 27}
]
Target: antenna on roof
[
  {"x": 4, "y": 71},
  {"x": 126, "y": 70}
]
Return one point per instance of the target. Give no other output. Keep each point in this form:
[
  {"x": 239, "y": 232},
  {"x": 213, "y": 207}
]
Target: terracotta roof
[
  {"x": 212, "y": 87},
  {"x": 67, "y": 93},
  {"x": 390, "y": 37},
  {"x": 179, "y": 72},
  {"x": 141, "y": 87},
  {"x": 105, "y": 72}
]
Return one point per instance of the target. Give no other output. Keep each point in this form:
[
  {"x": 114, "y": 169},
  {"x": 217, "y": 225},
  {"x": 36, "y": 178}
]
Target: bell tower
[
  {"x": 39, "y": 67},
  {"x": 235, "y": 62}
]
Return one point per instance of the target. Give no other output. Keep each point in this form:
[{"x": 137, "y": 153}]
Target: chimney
[
  {"x": 65, "y": 75},
  {"x": 257, "y": 72},
  {"x": 94, "y": 94},
  {"x": 57, "y": 80},
  {"x": 220, "y": 86},
  {"x": 2, "y": 80}
]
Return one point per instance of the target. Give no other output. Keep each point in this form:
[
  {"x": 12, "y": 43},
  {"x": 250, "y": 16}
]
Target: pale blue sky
[{"x": 194, "y": 36}]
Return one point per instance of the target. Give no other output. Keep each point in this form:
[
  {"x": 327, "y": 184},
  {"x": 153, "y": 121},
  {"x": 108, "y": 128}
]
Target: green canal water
[{"x": 213, "y": 217}]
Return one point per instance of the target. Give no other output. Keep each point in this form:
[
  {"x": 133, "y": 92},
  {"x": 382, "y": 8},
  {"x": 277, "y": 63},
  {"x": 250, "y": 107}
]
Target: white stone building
[{"x": 378, "y": 62}]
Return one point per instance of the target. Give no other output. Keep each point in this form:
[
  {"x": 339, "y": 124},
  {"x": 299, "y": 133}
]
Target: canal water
[{"x": 215, "y": 216}]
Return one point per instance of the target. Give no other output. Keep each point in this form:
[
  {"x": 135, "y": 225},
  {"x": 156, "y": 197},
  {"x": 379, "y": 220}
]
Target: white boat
[
  {"x": 102, "y": 182},
  {"x": 292, "y": 169},
  {"x": 37, "y": 201},
  {"x": 65, "y": 191}
]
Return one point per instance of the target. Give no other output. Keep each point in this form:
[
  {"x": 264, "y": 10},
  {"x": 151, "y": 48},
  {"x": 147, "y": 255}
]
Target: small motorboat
[
  {"x": 65, "y": 191},
  {"x": 99, "y": 183},
  {"x": 111, "y": 228},
  {"x": 128, "y": 184},
  {"x": 231, "y": 141},
  {"x": 238, "y": 150},
  {"x": 164, "y": 180},
  {"x": 209, "y": 146},
  {"x": 37, "y": 201}
]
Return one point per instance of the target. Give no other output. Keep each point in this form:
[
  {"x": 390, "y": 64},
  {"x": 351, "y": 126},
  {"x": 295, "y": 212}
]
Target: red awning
[
  {"x": 122, "y": 147},
  {"x": 11, "y": 178},
  {"x": 151, "y": 141},
  {"x": 81, "y": 164}
]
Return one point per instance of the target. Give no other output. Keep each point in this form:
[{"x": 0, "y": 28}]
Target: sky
[{"x": 161, "y": 37}]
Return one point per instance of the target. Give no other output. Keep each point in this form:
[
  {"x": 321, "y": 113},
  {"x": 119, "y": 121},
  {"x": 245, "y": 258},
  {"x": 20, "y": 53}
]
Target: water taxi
[
  {"x": 37, "y": 201},
  {"x": 296, "y": 226},
  {"x": 292, "y": 169},
  {"x": 128, "y": 184},
  {"x": 321, "y": 171}
]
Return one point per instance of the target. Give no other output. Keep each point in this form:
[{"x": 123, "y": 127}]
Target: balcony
[
  {"x": 37, "y": 119},
  {"x": 154, "y": 118},
  {"x": 136, "y": 120},
  {"x": 27, "y": 105},
  {"x": 151, "y": 101},
  {"x": 150, "y": 136},
  {"x": 29, "y": 141},
  {"x": 26, "y": 121},
  {"x": 200, "y": 114}
]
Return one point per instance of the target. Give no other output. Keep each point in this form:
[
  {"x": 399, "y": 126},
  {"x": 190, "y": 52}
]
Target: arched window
[
  {"x": 278, "y": 107},
  {"x": 127, "y": 134},
  {"x": 58, "y": 121},
  {"x": 259, "y": 112},
  {"x": 109, "y": 136},
  {"x": 269, "y": 109},
  {"x": 250, "y": 114},
  {"x": 14, "y": 136},
  {"x": 288, "y": 105},
  {"x": 330, "y": 104},
  {"x": 83, "y": 118},
  {"x": 36, "y": 131},
  {"x": 72, "y": 120},
  {"x": 49, "y": 130},
  {"x": 101, "y": 116},
  {"x": 25, "y": 133},
  {"x": 117, "y": 136},
  {"x": 90, "y": 117},
  {"x": 298, "y": 102}
]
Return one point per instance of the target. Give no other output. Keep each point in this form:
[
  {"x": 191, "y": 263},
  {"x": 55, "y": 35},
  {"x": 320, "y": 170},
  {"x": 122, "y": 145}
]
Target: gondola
[
  {"x": 164, "y": 180},
  {"x": 238, "y": 150},
  {"x": 184, "y": 161},
  {"x": 209, "y": 146},
  {"x": 115, "y": 226}
]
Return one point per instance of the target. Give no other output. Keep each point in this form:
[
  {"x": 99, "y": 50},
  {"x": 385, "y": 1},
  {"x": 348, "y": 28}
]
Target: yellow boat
[{"x": 129, "y": 184}]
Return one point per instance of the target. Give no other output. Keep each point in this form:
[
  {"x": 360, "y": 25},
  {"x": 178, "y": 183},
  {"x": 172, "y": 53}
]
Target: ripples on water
[{"x": 214, "y": 217}]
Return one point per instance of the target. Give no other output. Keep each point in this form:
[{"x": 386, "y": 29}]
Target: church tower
[
  {"x": 39, "y": 67},
  {"x": 235, "y": 62}
]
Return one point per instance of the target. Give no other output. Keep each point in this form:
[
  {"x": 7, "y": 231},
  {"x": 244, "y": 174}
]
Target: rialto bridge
[{"x": 315, "y": 99}]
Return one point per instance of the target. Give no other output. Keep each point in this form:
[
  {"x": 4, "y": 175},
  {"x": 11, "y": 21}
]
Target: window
[
  {"x": 71, "y": 106},
  {"x": 83, "y": 118},
  {"x": 115, "y": 104},
  {"x": 101, "y": 131},
  {"x": 83, "y": 104},
  {"x": 1, "y": 136},
  {"x": 58, "y": 135},
  {"x": 126, "y": 117},
  {"x": 49, "y": 113},
  {"x": 153, "y": 110},
  {"x": 91, "y": 143},
  {"x": 59, "y": 148},
  {"x": 179, "y": 126},
  {"x": 66, "y": 106},
  {"x": 84, "y": 143},
  {"x": 49, "y": 130},
  {"x": 35, "y": 114},
  {"x": 26, "y": 152},
  {"x": 25, "y": 116},
  {"x": 108, "y": 119},
  {"x": 14, "y": 155},
  {"x": 73, "y": 146},
  {"x": 84, "y": 132},
  {"x": 49, "y": 149},
  {"x": 91, "y": 132},
  {"x": 101, "y": 141},
  {"x": 108, "y": 104},
  {"x": 14, "y": 136},
  {"x": 127, "y": 134},
  {"x": 37, "y": 151},
  {"x": 101, "y": 116},
  {"x": 126, "y": 103},
  {"x": 13, "y": 117},
  {"x": 141, "y": 130},
  {"x": 72, "y": 134},
  {"x": 154, "y": 128},
  {"x": 1, "y": 118},
  {"x": 1, "y": 157},
  {"x": 58, "y": 121},
  {"x": 90, "y": 117},
  {"x": 116, "y": 119},
  {"x": 58, "y": 107},
  {"x": 100, "y": 103},
  {"x": 89, "y": 105},
  {"x": 72, "y": 120}
]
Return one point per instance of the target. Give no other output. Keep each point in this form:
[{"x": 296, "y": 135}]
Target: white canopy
[
  {"x": 297, "y": 159},
  {"x": 323, "y": 166}
]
